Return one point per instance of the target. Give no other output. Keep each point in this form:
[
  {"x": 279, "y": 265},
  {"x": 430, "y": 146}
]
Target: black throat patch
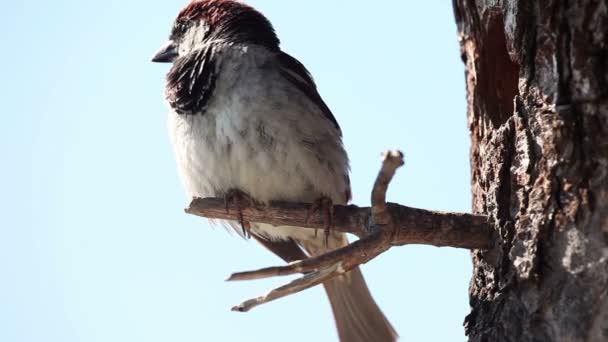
[{"x": 191, "y": 81}]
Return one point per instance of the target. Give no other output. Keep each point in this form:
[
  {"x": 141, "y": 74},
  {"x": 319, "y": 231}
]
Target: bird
[{"x": 247, "y": 123}]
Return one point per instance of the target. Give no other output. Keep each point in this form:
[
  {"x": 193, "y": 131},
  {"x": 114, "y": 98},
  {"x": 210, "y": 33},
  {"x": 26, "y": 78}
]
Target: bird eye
[
  {"x": 179, "y": 29},
  {"x": 183, "y": 27}
]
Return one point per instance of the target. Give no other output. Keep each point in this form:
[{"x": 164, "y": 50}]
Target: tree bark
[{"x": 537, "y": 80}]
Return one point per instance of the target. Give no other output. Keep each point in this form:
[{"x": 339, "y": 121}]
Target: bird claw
[
  {"x": 240, "y": 200},
  {"x": 325, "y": 206}
]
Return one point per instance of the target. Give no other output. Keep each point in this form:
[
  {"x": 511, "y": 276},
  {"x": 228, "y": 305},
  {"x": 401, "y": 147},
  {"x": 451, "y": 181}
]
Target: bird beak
[{"x": 166, "y": 54}]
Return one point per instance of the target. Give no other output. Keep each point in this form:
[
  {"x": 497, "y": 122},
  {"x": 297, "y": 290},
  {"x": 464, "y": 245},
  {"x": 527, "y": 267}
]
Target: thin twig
[
  {"x": 300, "y": 284},
  {"x": 392, "y": 160},
  {"x": 356, "y": 253}
]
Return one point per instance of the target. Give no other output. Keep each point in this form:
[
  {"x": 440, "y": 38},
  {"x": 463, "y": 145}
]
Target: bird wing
[{"x": 295, "y": 72}]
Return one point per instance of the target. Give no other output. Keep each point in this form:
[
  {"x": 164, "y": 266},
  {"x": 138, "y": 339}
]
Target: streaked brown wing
[{"x": 296, "y": 73}]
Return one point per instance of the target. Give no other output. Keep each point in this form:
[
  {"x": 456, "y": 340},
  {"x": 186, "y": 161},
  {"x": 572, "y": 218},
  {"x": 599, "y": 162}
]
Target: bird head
[{"x": 216, "y": 21}]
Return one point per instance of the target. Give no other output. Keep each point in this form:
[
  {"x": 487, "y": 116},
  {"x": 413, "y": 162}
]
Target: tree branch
[
  {"x": 379, "y": 228},
  {"x": 414, "y": 226}
]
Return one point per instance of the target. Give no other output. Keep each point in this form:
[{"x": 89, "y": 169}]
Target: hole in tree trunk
[{"x": 498, "y": 76}]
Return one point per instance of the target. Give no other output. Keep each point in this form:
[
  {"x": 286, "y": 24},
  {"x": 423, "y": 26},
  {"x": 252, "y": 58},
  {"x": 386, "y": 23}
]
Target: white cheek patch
[{"x": 193, "y": 38}]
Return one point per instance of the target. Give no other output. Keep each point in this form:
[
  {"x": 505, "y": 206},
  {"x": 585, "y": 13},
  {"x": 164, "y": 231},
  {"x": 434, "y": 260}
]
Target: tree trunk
[{"x": 537, "y": 79}]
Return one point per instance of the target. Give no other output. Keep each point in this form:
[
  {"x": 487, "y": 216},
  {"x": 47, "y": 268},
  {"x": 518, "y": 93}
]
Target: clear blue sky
[{"x": 94, "y": 245}]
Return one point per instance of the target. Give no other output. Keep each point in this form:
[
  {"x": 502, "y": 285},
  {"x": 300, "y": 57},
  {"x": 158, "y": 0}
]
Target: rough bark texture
[{"x": 537, "y": 79}]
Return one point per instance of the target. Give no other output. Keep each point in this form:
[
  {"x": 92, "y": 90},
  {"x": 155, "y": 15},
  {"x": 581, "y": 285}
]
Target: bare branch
[
  {"x": 379, "y": 228},
  {"x": 300, "y": 284},
  {"x": 356, "y": 253},
  {"x": 392, "y": 161},
  {"x": 414, "y": 226}
]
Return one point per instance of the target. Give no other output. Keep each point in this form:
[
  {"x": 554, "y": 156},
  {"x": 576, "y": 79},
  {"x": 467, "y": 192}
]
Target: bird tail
[{"x": 357, "y": 316}]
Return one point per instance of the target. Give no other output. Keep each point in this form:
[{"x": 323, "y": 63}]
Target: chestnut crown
[{"x": 203, "y": 21}]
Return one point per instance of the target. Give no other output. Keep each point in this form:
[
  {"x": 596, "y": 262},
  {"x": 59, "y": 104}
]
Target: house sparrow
[{"x": 246, "y": 121}]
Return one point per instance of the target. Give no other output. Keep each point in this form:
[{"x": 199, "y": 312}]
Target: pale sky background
[{"x": 94, "y": 244}]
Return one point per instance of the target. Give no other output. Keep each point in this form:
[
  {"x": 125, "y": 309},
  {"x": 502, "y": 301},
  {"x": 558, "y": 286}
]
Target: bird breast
[{"x": 258, "y": 134}]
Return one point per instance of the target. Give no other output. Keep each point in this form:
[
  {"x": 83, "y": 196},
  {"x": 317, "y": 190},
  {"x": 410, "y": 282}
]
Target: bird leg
[
  {"x": 241, "y": 200},
  {"x": 324, "y": 205}
]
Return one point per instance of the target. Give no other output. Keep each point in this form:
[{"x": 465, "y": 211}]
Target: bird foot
[
  {"x": 324, "y": 205},
  {"x": 240, "y": 200}
]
